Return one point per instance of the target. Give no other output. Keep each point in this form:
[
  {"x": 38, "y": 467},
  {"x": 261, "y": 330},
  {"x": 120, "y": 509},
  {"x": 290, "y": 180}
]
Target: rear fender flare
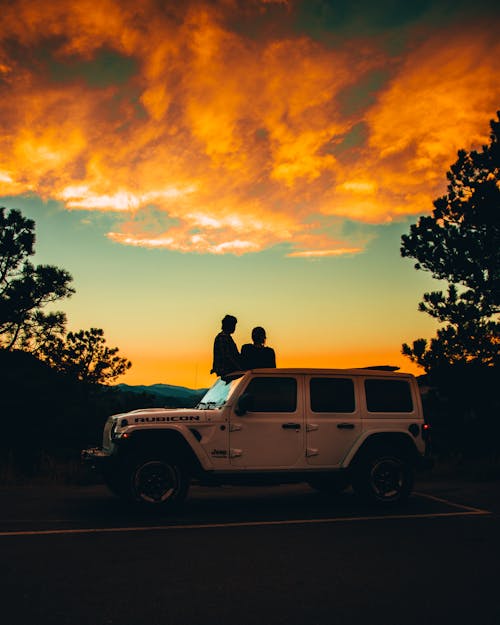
[{"x": 372, "y": 440}]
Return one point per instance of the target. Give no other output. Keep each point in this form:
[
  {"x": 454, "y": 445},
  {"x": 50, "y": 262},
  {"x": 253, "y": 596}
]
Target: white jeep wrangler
[{"x": 329, "y": 427}]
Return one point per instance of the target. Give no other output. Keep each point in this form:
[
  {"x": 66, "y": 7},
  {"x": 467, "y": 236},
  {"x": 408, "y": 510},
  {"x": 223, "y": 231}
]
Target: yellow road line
[
  {"x": 162, "y": 528},
  {"x": 451, "y": 503}
]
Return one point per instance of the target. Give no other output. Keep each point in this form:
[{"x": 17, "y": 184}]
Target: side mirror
[{"x": 244, "y": 404}]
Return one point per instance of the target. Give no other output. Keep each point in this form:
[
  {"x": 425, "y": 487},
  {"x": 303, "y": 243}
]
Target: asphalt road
[{"x": 78, "y": 556}]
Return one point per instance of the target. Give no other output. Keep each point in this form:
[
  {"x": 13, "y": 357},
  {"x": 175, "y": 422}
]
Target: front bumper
[{"x": 95, "y": 457}]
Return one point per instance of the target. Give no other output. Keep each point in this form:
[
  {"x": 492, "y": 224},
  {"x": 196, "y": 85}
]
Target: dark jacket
[
  {"x": 226, "y": 355},
  {"x": 256, "y": 357}
]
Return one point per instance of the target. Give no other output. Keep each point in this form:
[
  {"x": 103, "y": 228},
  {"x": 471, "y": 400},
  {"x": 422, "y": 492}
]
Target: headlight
[
  {"x": 117, "y": 429},
  {"x": 106, "y": 435}
]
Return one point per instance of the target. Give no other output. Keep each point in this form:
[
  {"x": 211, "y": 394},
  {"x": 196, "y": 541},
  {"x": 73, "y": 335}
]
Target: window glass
[
  {"x": 218, "y": 394},
  {"x": 388, "y": 396},
  {"x": 273, "y": 394},
  {"x": 332, "y": 395}
]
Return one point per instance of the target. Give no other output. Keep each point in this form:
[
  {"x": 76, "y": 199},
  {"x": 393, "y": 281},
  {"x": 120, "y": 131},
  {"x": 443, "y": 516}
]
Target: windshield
[{"x": 219, "y": 393}]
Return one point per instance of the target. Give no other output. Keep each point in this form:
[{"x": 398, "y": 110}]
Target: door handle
[
  {"x": 345, "y": 426},
  {"x": 291, "y": 426}
]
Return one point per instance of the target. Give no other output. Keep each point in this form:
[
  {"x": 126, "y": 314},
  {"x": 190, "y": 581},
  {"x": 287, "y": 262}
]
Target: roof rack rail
[{"x": 381, "y": 368}]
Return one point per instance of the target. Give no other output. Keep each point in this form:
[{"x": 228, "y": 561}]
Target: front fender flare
[{"x": 158, "y": 436}]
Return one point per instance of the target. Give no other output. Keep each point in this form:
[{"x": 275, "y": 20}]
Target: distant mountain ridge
[{"x": 164, "y": 391}]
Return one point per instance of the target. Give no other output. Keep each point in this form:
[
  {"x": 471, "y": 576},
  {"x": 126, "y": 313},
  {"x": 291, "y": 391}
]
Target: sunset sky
[{"x": 184, "y": 160}]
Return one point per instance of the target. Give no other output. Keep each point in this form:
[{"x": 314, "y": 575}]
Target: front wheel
[
  {"x": 158, "y": 482},
  {"x": 384, "y": 478}
]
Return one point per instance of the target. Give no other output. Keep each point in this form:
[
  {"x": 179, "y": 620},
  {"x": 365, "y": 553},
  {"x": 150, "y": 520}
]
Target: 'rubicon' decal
[{"x": 171, "y": 419}]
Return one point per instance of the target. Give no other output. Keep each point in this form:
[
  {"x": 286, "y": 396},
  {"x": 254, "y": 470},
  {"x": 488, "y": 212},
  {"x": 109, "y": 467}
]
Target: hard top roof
[{"x": 368, "y": 371}]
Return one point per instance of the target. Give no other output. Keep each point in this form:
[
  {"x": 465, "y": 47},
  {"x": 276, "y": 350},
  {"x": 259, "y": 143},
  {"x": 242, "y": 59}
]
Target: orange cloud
[{"x": 240, "y": 143}]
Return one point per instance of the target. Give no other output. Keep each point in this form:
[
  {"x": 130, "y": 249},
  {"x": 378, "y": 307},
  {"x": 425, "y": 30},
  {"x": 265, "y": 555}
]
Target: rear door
[
  {"x": 271, "y": 433},
  {"x": 333, "y": 419}
]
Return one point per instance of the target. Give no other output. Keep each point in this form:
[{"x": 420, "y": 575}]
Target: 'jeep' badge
[{"x": 219, "y": 453}]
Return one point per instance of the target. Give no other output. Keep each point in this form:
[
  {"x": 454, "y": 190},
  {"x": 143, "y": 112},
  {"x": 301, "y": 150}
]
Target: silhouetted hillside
[{"x": 167, "y": 394}]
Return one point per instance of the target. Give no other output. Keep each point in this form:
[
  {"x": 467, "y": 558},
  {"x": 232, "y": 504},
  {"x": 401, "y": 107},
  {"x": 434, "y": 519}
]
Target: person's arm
[
  {"x": 217, "y": 355},
  {"x": 245, "y": 357},
  {"x": 272, "y": 357},
  {"x": 230, "y": 353}
]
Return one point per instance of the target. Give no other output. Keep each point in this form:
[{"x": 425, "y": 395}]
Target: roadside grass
[
  {"x": 68, "y": 469},
  {"x": 46, "y": 468},
  {"x": 456, "y": 466}
]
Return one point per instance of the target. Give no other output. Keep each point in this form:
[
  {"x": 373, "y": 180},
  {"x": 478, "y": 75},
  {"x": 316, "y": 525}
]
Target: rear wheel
[
  {"x": 158, "y": 482},
  {"x": 385, "y": 477}
]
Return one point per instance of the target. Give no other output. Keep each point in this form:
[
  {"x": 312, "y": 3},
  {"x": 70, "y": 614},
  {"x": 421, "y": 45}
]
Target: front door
[{"x": 271, "y": 432}]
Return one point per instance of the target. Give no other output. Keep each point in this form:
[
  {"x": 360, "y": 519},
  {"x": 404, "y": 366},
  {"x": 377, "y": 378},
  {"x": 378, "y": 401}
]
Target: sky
[{"x": 260, "y": 158}]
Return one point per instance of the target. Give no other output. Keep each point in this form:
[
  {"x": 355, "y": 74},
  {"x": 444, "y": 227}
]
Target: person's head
[
  {"x": 229, "y": 324},
  {"x": 259, "y": 335}
]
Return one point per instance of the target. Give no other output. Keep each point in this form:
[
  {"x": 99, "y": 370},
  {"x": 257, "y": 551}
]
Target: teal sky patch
[
  {"x": 343, "y": 146},
  {"x": 106, "y": 68},
  {"x": 357, "y": 97},
  {"x": 316, "y": 17}
]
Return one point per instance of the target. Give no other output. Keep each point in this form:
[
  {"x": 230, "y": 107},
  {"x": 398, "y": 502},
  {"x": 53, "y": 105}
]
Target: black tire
[
  {"x": 158, "y": 482},
  {"x": 384, "y": 477}
]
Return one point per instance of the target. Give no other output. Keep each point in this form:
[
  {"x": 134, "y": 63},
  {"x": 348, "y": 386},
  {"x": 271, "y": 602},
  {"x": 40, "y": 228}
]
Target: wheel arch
[
  {"x": 400, "y": 441},
  {"x": 163, "y": 441}
]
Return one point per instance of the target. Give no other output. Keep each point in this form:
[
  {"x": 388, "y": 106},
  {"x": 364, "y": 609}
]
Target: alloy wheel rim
[
  {"x": 155, "y": 482},
  {"x": 387, "y": 479}
]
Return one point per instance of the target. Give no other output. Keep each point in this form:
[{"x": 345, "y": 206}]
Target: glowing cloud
[{"x": 242, "y": 142}]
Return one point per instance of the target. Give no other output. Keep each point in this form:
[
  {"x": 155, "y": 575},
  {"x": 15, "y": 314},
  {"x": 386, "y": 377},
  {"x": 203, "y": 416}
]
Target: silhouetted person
[
  {"x": 226, "y": 354},
  {"x": 256, "y": 355}
]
